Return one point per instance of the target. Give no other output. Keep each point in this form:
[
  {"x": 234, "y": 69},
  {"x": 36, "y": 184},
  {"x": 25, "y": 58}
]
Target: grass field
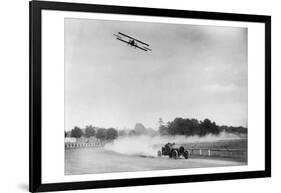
[
  {"x": 220, "y": 144},
  {"x": 233, "y": 149}
]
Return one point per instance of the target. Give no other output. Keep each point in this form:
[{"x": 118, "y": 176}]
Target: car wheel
[
  {"x": 159, "y": 153},
  {"x": 186, "y": 154},
  {"x": 175, "y": 154},
  {"x": 181, "y": 150},
  {"x": 170, "y": 155}
]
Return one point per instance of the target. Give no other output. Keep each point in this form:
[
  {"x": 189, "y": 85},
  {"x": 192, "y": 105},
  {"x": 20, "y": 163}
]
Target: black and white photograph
[
  {"x": 147, "y": 96},
  {"x": 123, "y": 95}
]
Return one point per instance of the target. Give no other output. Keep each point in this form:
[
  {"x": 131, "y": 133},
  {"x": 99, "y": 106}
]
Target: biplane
[{"x": 132, "y": 41}]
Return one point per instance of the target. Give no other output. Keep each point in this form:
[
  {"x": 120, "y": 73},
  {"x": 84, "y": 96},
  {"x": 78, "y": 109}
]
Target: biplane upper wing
[
  {"x": 133, "y": 38},
  {"x": 117, "y": 36}
]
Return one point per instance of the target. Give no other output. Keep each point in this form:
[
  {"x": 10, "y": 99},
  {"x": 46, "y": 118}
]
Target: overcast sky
[{"x": 192, "y": 72}]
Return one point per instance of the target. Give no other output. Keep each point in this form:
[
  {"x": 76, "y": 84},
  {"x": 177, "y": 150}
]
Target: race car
[{"x": 173, "y": 151}]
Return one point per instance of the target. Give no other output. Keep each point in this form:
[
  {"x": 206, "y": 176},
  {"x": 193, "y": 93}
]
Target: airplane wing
[
  {"x": 147, "y": 48},
  {"x": 122, "y": 40},
  {"x": 117, "y": 36},
  {"x": 133, "y": 38},
  {"x": 140, "y": 48},
  {"x": 127, "y": 42}
]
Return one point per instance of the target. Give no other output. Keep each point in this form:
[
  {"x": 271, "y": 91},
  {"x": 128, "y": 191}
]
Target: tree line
[
  {"x": 179, "y": 126},
  {"x": 190, "y": 127},
  {"x": 90, "y": 131}
]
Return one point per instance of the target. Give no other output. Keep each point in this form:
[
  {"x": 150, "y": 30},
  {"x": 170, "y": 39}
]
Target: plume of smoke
[
  {"x": 134, "y": 145},
  {"x": 145, "y": 145}
]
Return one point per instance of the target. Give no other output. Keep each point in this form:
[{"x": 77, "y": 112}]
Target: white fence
[
  {"x": 83, "y": 145},
  {"x": 238, "y": 154}
]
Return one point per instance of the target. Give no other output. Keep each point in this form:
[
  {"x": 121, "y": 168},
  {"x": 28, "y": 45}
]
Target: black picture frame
[{"x": 35, "y": 151}]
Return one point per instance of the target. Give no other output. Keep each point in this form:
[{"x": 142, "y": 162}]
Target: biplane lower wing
[
  {"x": 147, "y": 48},
  {"x": 122, "y": 40},
  {"x": 141, "y": 48}
]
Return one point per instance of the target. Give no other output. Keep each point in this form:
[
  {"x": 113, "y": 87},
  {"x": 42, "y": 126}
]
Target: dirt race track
[{"x": 98, "y": 160}]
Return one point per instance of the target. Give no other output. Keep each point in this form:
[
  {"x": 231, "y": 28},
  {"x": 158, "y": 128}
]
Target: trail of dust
[{"x": 148, "y": 146}]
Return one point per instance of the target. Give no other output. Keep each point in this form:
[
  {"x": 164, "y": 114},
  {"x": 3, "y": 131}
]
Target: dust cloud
[{"x": 145, "y": 145}]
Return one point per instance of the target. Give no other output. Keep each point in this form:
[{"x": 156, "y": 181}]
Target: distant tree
[
  {"x": 151, "y": 132},
  {"x": 209, "y": 127},
  {"x": 176, "y": 127},
  {"x": 231, "y": 129},
  {"x": 132, "y": 133},
  {"x": 195, "y": 125},
  {"x": 90, "y": 131},
  {"x": 163, "y": 130},
  {"x": 111, "y": 134},
  {"x": 101, "y": 133},
  {"x": 76, "y": 132},
  {"x": 160, "y": 121},
  {"x": 122, "y": 133},
  {"x": 223, "y": 128},
  {"x": 140, "y": 129},
  {"x": 189, "y": 127}
]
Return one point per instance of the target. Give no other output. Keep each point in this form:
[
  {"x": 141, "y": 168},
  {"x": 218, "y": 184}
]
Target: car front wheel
[
  {"x": 175, "y": 154},
  {"x": 186, "y": 154}
]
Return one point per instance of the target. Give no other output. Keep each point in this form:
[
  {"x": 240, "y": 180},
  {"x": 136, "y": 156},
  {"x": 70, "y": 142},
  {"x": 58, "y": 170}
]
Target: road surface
[{"x": 99, "y": 160}]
